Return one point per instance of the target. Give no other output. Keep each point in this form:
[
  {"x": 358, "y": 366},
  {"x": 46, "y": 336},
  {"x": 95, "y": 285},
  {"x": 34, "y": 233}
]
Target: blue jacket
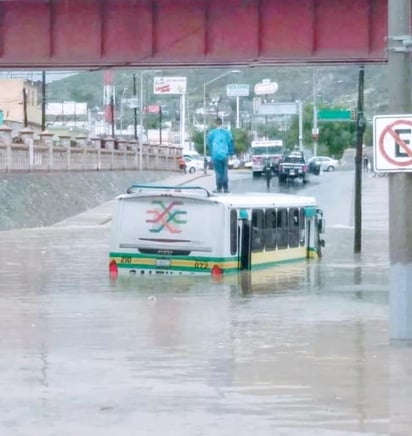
[{"x": 220, "y": 142}]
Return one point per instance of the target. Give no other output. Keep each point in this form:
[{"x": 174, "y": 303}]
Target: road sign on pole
[
  {"x": 335, "y": 115},
  {"x": 237, "y": 90},
  {"x": 266, "y": 87},
  {"x": 392, "y": 143}
]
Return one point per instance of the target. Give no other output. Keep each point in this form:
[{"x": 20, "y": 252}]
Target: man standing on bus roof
[{"x": 220, "y": 142}]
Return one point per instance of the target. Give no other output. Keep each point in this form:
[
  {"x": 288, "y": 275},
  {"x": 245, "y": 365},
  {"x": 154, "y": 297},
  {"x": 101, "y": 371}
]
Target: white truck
[{"x": 261, "y": 150}]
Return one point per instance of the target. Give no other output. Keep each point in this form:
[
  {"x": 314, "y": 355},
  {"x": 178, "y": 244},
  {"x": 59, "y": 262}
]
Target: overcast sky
[{"x": 37, "y": 75}]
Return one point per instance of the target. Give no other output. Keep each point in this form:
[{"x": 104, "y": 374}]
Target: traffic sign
[
  {"x": 237, "y": 90},
  {"x": 392, "y": 143},
  {"x": 335, "y": 115}
]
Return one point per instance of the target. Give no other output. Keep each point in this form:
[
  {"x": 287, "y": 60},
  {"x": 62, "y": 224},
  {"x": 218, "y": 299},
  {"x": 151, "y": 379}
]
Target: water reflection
[{"x": 293, "y": 350}]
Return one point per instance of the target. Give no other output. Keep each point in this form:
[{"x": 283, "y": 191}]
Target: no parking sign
[{"x": 392, "y": 143}]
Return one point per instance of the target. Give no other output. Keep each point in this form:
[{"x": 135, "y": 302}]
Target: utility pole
[
  {"x": 135, "y": 106},
  {"x": 315, "y": 130},
  {"x": 43, "y": 101},
  {"x": 360, "y": 128},
  {"x": 25, "y": 106},
  {"x": 112, "y": 114},
  {"x": 400, "y": 184},
  {"x": 160, "y": 124}
]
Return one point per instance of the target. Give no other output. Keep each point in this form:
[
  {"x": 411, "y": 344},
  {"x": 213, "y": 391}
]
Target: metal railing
[{"x": 96, "y": 155}]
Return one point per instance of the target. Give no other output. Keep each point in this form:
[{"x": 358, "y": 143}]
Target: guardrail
[{"x": 97, "y": 154}]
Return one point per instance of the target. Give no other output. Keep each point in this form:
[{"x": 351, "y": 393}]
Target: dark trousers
[{"x": 222, "y": 181}]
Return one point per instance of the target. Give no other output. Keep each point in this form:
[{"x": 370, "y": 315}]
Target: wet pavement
[{"x": 301, "y": 350}]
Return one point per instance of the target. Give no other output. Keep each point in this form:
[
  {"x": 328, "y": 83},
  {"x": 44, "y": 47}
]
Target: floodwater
[{"x": 301, "y": 350}]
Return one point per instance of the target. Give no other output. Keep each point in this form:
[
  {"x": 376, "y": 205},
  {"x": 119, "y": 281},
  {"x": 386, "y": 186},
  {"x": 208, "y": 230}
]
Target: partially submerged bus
[
  {"x": 175, "y": 230},
  {"x": 261, "y": 150}
]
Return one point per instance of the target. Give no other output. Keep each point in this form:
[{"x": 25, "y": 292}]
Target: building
[
  {"x": 20, "y": 104},
  {"x": 67, "y": 113}
]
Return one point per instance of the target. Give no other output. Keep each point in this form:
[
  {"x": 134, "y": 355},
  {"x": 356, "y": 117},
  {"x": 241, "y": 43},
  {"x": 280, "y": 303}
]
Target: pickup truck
[{"x": 293, "y": 166}]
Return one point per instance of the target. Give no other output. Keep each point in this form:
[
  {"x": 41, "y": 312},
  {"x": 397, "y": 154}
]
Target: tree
[
  {"x": 242, "y": 140},
  {"x": 197, "y": 138}
]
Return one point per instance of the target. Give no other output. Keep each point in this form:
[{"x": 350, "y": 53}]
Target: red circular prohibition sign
[{"x": 407, "y": 148}]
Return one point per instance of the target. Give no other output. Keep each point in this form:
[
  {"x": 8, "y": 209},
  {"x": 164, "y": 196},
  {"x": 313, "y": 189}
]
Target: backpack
[{"x": 220, "y": 146}]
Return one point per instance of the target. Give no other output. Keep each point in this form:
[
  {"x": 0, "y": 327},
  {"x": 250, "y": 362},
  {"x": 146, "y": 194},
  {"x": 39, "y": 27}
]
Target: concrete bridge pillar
[
  {"x": 26, "y": 135},
  {"x": 65, "y": 141},
  {"x": 96, "y": 142},
  {"x": 133, "y": 145},
  {"x": 109, "y": 143},
  {"x": 122, "y": 144},
  {"x": 46, "y": 140},
  {"x": 5, "y": 134},
  {"x": 81, "y": 141}
]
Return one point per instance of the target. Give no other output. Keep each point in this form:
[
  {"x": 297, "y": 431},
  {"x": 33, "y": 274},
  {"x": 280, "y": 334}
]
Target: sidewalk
[{"x": 375, "y": 202}]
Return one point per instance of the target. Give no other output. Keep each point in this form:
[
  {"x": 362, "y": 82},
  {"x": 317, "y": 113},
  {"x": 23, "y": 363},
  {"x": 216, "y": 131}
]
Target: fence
[{"x": 46, "y": 154}]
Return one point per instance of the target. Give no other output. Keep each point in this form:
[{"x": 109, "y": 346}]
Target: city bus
[
  {"x": 261, "y": 150},
  {"x": 188, "y": 230}
]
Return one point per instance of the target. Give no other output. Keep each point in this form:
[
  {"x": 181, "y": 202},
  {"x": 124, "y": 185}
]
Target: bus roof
[
  {"x": 259, "y": 199},
  {"x": 243, "y": 200}
]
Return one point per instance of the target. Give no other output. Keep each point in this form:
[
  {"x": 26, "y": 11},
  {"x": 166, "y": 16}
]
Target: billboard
[
  {"x": 169, "y": 85},
  {"x": 266, "y": 87}
]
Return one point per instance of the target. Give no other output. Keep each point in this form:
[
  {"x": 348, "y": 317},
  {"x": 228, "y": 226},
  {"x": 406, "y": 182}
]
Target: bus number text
[{"x": 201, "y": 265}]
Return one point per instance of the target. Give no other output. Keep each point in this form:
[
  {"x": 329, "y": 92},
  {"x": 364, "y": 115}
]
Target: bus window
[
  {"x": 233, "y": 232},
  {"x": 293, "y": 227},
  {"x": 282, "y": 228},
  {"x": 257, "y": 229},
  {"x": 270, "y": 229}
]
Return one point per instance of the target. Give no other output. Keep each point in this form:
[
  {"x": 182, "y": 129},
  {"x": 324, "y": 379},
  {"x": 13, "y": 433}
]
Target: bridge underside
[{"x": 145, "y": 33}]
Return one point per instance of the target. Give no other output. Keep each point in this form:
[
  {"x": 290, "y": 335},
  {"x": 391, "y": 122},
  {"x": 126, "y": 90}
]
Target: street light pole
[
  {"x": 315, "y": 130},
  {"x": 141, "y": 124},
  {"x": 204, "y": 126},
  {"x": 237, "y": 113},
  {"x": 121, "y": 110},
  {"x": 204, "y": 108},
  {"x": 300, "y": 113}
]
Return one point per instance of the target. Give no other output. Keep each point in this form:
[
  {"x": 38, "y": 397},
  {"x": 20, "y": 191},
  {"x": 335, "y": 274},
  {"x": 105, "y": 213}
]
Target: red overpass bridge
[{"x": 71, "y": 34}]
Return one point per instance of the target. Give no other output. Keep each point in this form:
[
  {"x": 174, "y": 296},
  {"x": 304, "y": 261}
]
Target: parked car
[
  {"x": 248, "y": 164},
  {"x": 234, "y": 163},
  {"x": 193, "y": 164},
  {"x": 325, "y": 163}
]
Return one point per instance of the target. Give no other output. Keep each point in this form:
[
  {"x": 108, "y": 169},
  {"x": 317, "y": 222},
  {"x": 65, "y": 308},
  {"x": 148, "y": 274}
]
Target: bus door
[
  {"x": 314, "y": 228},
  {"x": 244, "y": 242},
  {"x": 320, "y": 229}
]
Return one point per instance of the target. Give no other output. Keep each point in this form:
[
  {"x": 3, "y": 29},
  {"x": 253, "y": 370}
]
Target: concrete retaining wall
[{"x": 36, "y": 200}]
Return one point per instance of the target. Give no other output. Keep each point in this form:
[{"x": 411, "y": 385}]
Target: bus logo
[{"x": 166, "y": 217}]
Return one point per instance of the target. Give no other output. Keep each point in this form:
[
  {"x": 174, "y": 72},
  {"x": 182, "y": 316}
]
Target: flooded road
[{"x": 301, "y": 350}]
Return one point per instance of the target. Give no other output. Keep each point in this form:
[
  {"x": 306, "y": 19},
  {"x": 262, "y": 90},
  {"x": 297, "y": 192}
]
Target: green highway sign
[{"x": 335, "y": 115}]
